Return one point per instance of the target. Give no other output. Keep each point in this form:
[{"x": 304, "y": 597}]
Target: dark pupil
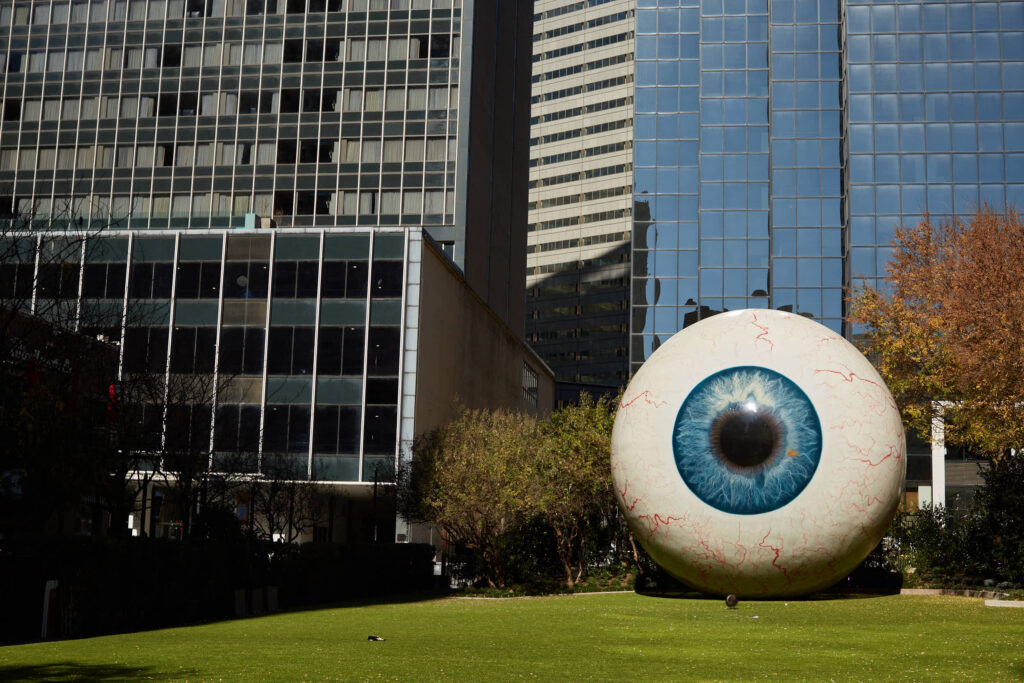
[{"x": 746, "y": 438}]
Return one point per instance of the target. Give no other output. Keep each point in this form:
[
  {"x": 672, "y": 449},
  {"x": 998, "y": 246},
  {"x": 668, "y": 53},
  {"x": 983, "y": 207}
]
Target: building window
[{"x": 530, "y": 389}]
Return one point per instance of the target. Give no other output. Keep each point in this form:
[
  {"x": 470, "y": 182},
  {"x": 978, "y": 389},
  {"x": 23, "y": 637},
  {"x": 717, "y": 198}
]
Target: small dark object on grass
[
  {"x": 731, "y": 601},
  {"x": 375, "y": 638}
]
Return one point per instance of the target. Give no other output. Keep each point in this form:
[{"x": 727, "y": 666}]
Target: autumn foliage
[{"x": 949, "y": 327}]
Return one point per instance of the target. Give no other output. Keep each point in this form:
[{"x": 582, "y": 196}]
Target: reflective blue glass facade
[
  {"x": 780, "y": 142},
  {"x": 935, "y": 110}
]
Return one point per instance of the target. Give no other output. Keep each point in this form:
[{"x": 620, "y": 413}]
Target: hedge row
[{"x": 110, "y": 585}]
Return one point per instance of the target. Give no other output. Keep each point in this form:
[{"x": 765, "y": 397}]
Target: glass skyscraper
[{"x": 778, "y": 143}]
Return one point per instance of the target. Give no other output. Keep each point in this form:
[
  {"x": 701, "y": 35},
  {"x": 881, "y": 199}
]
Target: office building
[
  {"x": 779, "y": 144},
  {"x": 268, "y": 188},
  {"x": 581, "y": 187}
]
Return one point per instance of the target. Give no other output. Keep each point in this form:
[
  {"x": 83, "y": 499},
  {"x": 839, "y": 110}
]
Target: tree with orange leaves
[{"x": 949, "y": 327}]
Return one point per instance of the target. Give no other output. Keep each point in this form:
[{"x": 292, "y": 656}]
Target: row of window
[
  {"x": 289, "y": 100},
  {"x": 83, "y": 11},
  {"x": 289, "y": 351},
  {"x": 566, "y": 9},
  {"x": 957, "y": 16},
  {"x": 579, "y": 111},
  {"x": 618, "y": 256},
  {"x": 280, "y": 203},
  {"x": 580, "y": 47},
  {"x": 562, "y": 157},
  {"x": 918, "y": 77},
  {"x": 580, "y": 220},
  {"x": 578, "y": 132},
  {"x": 578, "y": 242},
  {"x": 577, "y": 175},
  {"x": 580, "y": 68},
  {"x": 555, "y": 288},
  {"x": 937, "y": 137},
  {"x": 582, "y": 25},
  {"x": 584, "y": 197},
  {"x": 936, "y": 47},
  {"x": 336, "y": 430},
  {"x": 578, "y": 89},
  {"x": 229, "y": 54},
  {"x": 162, "y": 154},
  {"x": 936, "y": 168},
  {"x": 202, "y": 280}
]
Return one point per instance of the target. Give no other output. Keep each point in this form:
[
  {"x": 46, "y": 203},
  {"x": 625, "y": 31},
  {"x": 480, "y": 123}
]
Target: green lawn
[{"x": 592, "y": 637}]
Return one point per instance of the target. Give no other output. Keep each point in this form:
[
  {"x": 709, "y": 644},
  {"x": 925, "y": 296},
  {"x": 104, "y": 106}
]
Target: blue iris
[{"x": 747, "y": 440}]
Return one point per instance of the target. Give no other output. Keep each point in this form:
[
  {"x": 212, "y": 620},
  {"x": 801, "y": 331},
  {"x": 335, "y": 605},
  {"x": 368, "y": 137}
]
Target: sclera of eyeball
[{"x": 824, "y": 531}]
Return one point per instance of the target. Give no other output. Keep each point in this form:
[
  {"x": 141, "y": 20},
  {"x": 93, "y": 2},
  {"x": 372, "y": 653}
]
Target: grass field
[{"x": 616, "y": 637}]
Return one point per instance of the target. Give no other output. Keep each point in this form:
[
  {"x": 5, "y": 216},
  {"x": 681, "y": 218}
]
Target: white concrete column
[{"x": 938, "y": 457}]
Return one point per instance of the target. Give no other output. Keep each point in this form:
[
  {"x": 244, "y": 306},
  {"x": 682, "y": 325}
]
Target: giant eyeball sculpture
[{"x": 758, "y": 453}]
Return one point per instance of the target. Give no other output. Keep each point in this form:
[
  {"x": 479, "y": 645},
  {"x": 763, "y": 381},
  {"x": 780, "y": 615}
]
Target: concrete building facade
[
  {"x": 581, "y": 178},
  {"x": 270, "y": 193}
]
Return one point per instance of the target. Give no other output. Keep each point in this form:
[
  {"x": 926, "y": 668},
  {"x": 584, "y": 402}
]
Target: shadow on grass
[
  {"x": 816, "y": 597},
  {"x": 367, "y": 601},
  {"x": 73, "y": 671}
]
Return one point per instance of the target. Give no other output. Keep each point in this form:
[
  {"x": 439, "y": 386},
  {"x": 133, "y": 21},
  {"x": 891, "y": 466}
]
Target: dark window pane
[
  {"x": 380, "y": 430},
  {"x": 302, "y": 351},
  {"x": 206, "y": 340},
  {"x": 275, "y": 429},
  {"x": 94, "y": 285},
  {"x": 329, "y": 354},
  {"x": 26, "y": 276},
  {"x": 387, "y": 279},
  {"x": 356, "y": 280},
  {"x": 152, "y": 426},
  {"x": 298, "y": 430},
  {"x": 177, "y": 433},
  {"x": 199, "y": 429},
  {"x": 333, "y": 286},
  {"x": 156, "y": 355},
  {"x": 49, "y": 280},
  {"x": 209, "y": 281},
  {"x": 382, "y": 390},
  {"x": 348, "y": 429},
  {"x": 183, "y": 349},
  {"x": 69, "y": 280},
  {"x": 187, "y": 284},
  {"x": 259, "y": 274},
  {"x": 352, "y": 351},
  {"x": 225, "y": 436},
  {"x": 284, "y": 279},
  {"x": 249, "y": 428},
  {"x": 384, "y": 351},
  {"x": 8, "y": 276},
  {"x": 162, "y": 276},
  {"x": 115, "y": 280},
  {"x": 230, "y": 362},
  {"x": 279, "y": 355},
  {"x": 325, "y": 430},
  {"x": 305, "y": 286},
  {"x": 136, "y": 342},
  {"x": 236, "y": 280},
  {"x": 140, "y": 285},
  {"x": 253, "y": 364}
]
